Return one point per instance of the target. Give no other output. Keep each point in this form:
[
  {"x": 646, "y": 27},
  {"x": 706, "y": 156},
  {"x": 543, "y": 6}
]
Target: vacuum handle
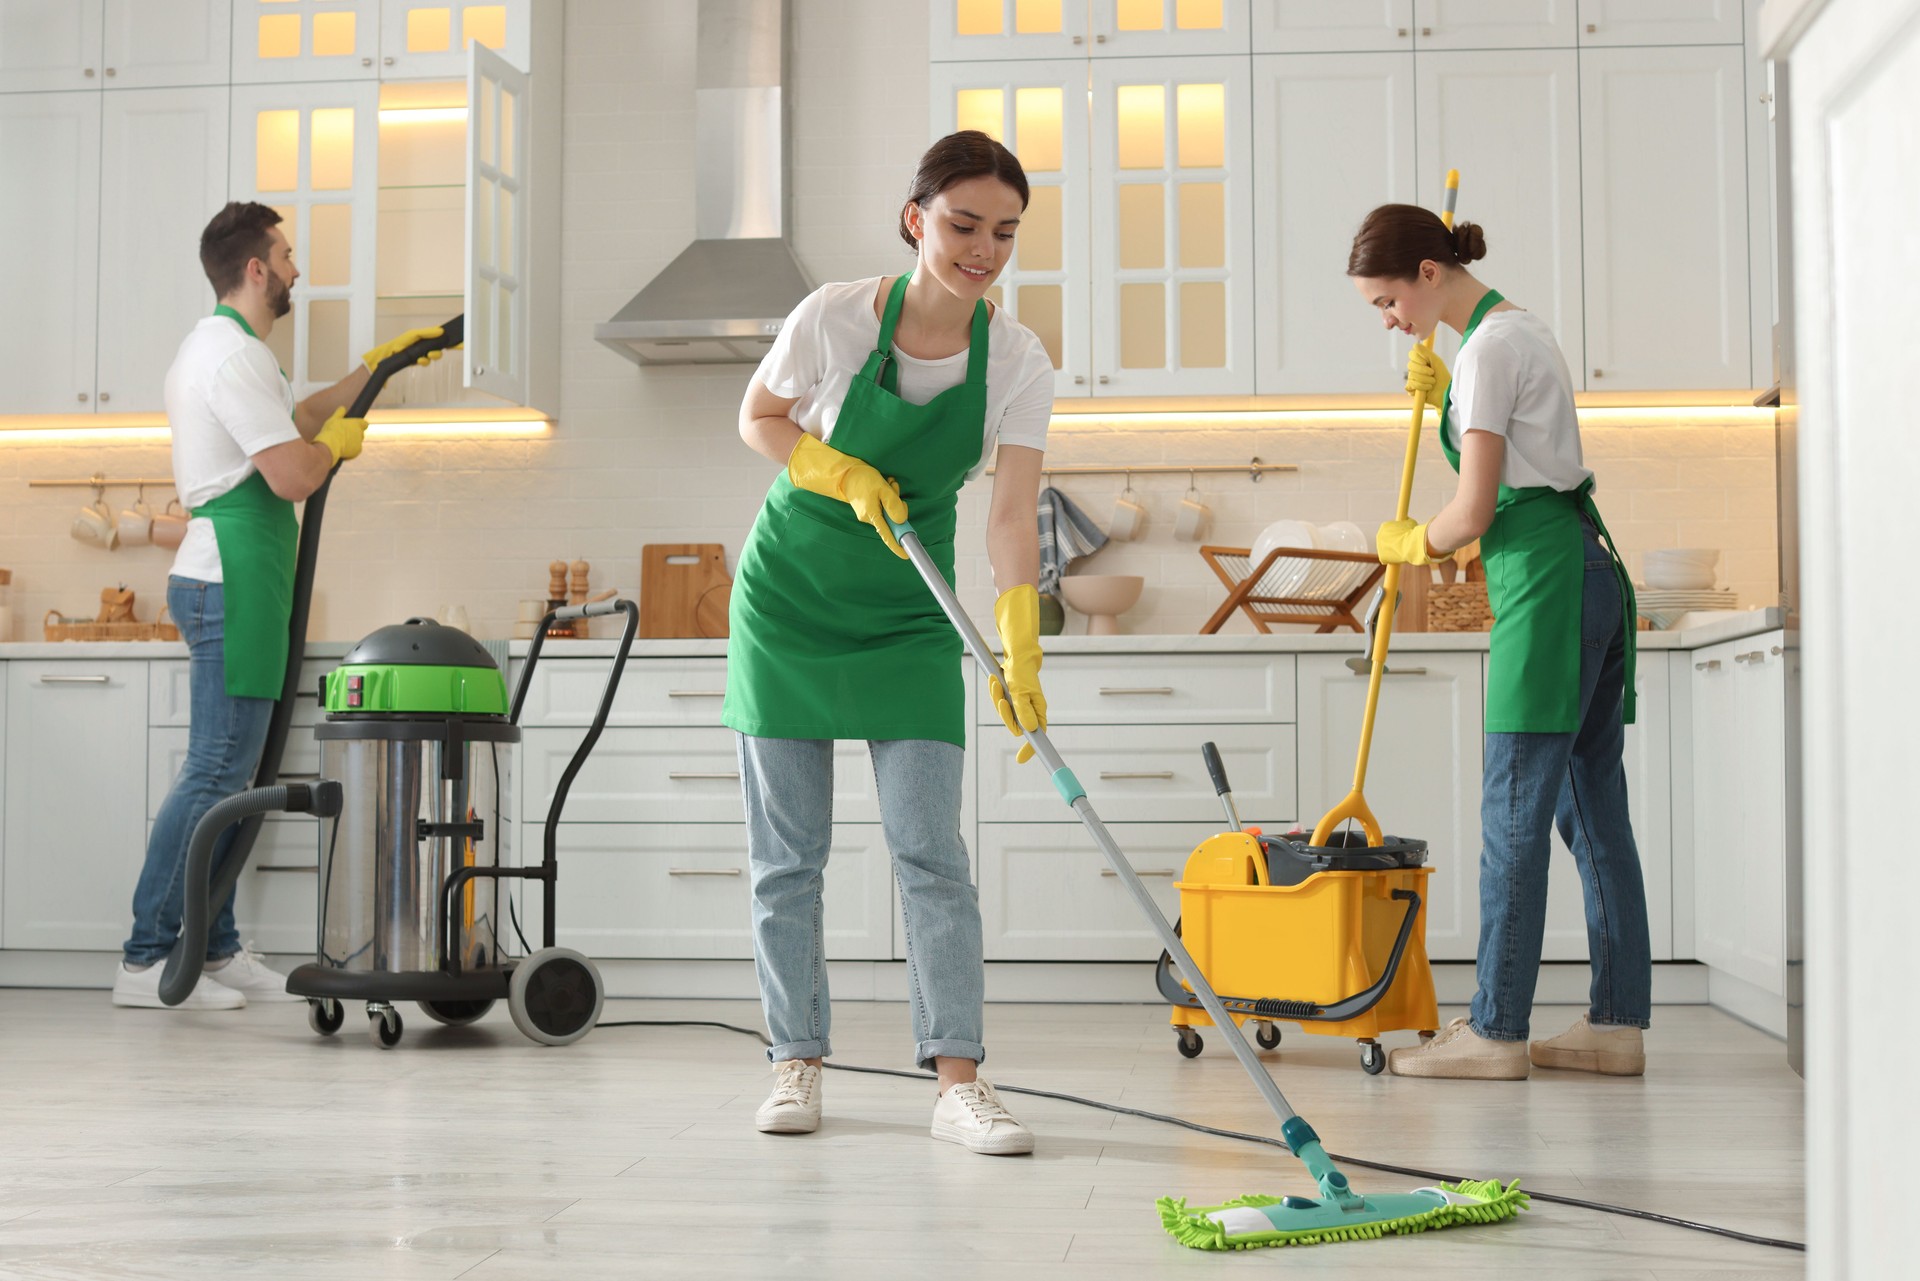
[
  {"x": 452, "y": 334},
  {"x": 592, "y": 609},
  {"x": 1217, "y": 769}
]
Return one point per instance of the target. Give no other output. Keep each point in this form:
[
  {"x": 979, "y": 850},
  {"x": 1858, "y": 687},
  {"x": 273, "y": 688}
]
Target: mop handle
[
  {"x": 1355, "y": 805},
  {"x": 1076, "y": 796}
]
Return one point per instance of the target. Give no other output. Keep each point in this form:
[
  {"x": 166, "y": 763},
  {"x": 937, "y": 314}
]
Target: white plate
[{"x": 1283, "y": 533}]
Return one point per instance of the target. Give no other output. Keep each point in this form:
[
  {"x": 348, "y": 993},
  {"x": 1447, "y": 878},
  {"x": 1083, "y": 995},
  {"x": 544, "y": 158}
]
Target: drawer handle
[
  {"x": 1364, "y": 667},
  {"x": 1110, "y": 691},
  {"x": 270, "y": 868},
  {"x": 75, "y": 680},
  {"x": 297, "y": 778},
  {"x": 1140, "y": 871},
  {"x": 680, "y": 776},
  {"x": 703, "y": 871},
  {"x": 1711, "y": 665},
  {"x": 696, "y": 693},
  {"x": 1114, "y": 775}
]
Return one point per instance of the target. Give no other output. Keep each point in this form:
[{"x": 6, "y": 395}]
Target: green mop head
[{"x": 1340, "y": 1214}]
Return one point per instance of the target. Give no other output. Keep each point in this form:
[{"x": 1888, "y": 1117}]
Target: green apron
[
  {"x": 259, "y": 541},
  {"x": 1536, "y": 571},
  {"x": 830, "y": 634}
]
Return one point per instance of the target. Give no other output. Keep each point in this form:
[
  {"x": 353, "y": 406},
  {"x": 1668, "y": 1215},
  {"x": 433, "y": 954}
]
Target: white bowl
[
  {"x": 1102, "y": 598},
  {"x": 1343, "y": 536}
]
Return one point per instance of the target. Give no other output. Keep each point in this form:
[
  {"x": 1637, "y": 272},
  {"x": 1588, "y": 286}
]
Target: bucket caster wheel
[
  {"x": 1267, "y": 1036},
  {"x": 325, "y": 1016},
  {"x": 1427, "y": 1036},
  {"x": 1373, "y": 1059},
  {"x": 383, "y": 1025},
  {"x": 1190, "y": 1043},
  {"x": 455, "y": 1013},
  {"x": 555, "y": 996}
]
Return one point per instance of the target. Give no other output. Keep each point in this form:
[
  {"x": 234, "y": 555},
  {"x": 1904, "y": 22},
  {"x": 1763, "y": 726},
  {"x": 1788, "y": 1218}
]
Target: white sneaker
[
  {"x": 794, "y": 1105},
  {"x": 140, "y": 989},
  {"x": 972, "y": 1115},
  {"x": 246, "y": 971},
  {"x": 1461, "y": 1054}
]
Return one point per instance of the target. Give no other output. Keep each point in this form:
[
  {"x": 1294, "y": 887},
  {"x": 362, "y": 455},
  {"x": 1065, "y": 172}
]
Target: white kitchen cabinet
[
  {"x": 163, "y": 174},
  {"x": 1145, "y": 774},
  {"x": 170, "y": 692},
  {"x": 1332, "y": 26},
  {"x": 1509, "y": 121},
  {"x": 429, "y": 41},
  {"x": 76, "y": 743},
  {"x": 1664, "y": 197},
  {"x": 1312, "y": 186},
  {"x": 167, "y": 755},
  {"x": 1047, "y": 894},
  {"x": 1423, "y": 779},
  {"x": 497, "y": 353},
  {"x": 49, "y": 233},
  {"x": 1762, "y": 233},
  {"x": 47, "y": 45},
  {"x": 3, "y": 806},
  {"x": 653, "y": 692},
  {"x": 1172, "y": 226},
  {"x": 1002, "y": 30},
  {"x": 1035, "y": 110},
  {"x": 683, "y": 891},
  {"x": 1650, "y": 22},
  {"x": 1164, "y": 689},
  {"x": 308, "y": 150},
  {"x": 276, "y": 899},
  {"x": 282, "y": 41},
  {"x": 155, "y": 44},
  {"x": 1739, "y": 775},
  {"x": 1494, "y": 24}
]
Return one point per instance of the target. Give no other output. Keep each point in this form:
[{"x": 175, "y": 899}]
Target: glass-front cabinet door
[
  {"x": 965, "y": 30},
  {"x": 496, "y": 212},
  {"x": 308, "y": 150},
  {"x": 278, "y": 41},
  {"x": 1038, "y": 110},
  {"x": 430, "y": 40},
  {"x": 1172, "y": 227},
  {"x": 1132, "y": 28}
]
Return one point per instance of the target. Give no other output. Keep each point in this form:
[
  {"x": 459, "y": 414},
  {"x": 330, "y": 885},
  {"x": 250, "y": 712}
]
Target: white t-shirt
[
  {"x": 226, "y": 401},
  {"x": 1511, "y": 380},
  {"x": 827, "y": 340}
]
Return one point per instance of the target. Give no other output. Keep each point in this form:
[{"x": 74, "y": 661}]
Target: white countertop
[{"x": 1732, "y": 626}]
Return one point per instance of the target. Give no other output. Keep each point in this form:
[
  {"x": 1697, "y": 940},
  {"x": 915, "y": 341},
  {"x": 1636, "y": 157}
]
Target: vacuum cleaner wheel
[{"x": 555, "y": 996}]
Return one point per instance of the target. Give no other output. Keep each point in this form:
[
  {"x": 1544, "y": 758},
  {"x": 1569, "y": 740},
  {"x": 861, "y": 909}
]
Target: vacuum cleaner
[{"x": 417, "y": 750}]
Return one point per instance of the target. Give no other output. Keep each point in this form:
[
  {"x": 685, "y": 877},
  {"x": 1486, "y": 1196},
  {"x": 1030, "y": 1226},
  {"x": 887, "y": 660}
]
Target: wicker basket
[
  {"x": 1459, "y": 607},
  {"x": 58, "y": 628}
]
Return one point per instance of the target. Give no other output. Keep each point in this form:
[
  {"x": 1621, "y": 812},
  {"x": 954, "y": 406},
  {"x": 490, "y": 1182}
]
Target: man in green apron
[
  {"x": 243, "y": 454},
  {"x": 1560, "y": 673}
]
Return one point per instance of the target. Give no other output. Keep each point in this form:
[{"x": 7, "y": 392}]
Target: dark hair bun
[{"x": 1469, "y": 242}]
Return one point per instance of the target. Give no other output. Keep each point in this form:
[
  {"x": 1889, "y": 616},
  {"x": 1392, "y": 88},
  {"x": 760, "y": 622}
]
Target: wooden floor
[{"x": 166, "y": 1145}]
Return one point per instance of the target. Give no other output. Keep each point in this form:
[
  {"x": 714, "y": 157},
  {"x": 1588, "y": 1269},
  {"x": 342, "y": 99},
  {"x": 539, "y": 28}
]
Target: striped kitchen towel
[{"x": 1066, "y": 534}]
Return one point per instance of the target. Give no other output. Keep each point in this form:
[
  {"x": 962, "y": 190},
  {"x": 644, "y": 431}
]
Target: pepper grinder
[
  {"x": 557, "y": 597},
  {"x": 577, "y": 595}
]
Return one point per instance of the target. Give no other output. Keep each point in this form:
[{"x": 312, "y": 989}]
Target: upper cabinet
[
  {"x": 49, "y": 44},
  {"x": 153, "y": 44},
  {"x": 1332, "y": 26},
  {"x": 972, "y": 30},
  {"x": 1495, "y": 24},
  {"x": 277, "y": 41},
  {"x": 430, "y": 40},
  {"x": 1644, "y": 22},
  {"x": 1664, "y": 162},
  {"x": 49, "y": 234}
]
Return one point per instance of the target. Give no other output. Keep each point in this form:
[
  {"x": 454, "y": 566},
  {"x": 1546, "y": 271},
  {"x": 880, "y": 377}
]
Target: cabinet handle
[
  {"x": 479, "y": 369},
  {"x": 1141, "y": 871},
  {"x": 111, "y": 71},
  {"x": 1364, "y": 667},
  {"x": 683, "y": 776},
  {"x": 1105, "y": 379},
  {"x": 1426, "y": 31},
  {"x": 76, "y": 680},
  {"x": 366, "y": 62},
  {"x": 1110, "y": 691},
  {"x": 88, "y": 73},
  {"x": 1079, "y": 40},
  {"x": 1100, "y": 39},
  {"x": 696, "y": 693},
  {"x": 105, "y": 397},
  {"x": 297, "y": 778},
  {"x": 1777, "y": 651},
  {"x": 1592, "y": 27},
  {"x": 1403, "y": 33},
  {"x": 703, "y": 871},
  {"x": 83, "y": 397},
  {"x": 387, "y": 61},
  {"x": 1757, "y": 656},
  {"x": 1113, "y": 775},
  {"x": 315, "y": 867},
  {"x": 1711, "y": 665},
  {"x": 1598, "y": 374},
  {"x": 1079, "y": 380}
]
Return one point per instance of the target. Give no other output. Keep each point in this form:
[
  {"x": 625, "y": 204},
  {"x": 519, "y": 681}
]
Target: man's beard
[{"x": 279, "y": 297}]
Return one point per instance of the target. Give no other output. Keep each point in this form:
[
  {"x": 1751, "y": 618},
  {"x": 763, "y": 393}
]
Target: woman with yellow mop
[
  {"x": 882, "y": 397},
  {"x": 1560, "y": 671}
]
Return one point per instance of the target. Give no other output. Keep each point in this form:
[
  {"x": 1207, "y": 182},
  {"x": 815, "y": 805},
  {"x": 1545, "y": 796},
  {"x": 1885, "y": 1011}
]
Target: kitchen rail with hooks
[
  {"x": 1253, "y": 467},
  {"x": 100, "y": 481}
]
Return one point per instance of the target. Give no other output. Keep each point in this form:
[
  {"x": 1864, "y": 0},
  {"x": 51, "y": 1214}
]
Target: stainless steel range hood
[{"x": 727, "y": 294}]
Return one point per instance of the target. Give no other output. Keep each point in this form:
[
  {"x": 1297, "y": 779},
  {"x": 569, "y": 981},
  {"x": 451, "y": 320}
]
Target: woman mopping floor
[
  {"x": 882, "y": 397},
  {"x": 1560, "y": 671}
]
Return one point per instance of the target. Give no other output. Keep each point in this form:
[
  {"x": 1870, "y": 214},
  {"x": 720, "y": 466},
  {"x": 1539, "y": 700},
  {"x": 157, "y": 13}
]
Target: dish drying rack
[{"x": 1293, "y": 585}]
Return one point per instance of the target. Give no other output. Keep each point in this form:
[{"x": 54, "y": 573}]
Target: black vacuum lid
[{"x": 419, "y": 642}]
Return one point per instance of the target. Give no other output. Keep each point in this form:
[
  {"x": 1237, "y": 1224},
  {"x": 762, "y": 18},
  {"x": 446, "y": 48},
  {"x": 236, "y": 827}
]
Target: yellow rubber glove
[
  {"x": 404, "y": 341},
  {"x": 342, "y": 436},
  {"x": 1401, "y": 542},
  {"x": 1425, "y": 372},
  {"x": 1020, "y": 703},
  {"x": 821, "y": 469}
]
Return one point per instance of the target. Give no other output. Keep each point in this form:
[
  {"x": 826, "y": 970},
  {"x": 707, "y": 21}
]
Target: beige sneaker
[
  {"x": 1610, "y": 1051},
  {"x": 1460, "y": 1053},
  {"x": 972, "y": 1115},
  {"x": 794, "y": 1105}
]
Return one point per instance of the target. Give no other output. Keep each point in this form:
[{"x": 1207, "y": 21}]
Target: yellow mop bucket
[{"x": 1332, "y": 938}]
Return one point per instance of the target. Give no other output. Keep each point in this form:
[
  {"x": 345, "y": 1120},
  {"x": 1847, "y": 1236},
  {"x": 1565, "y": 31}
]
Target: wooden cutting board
[{"x": 684, "y": 589}]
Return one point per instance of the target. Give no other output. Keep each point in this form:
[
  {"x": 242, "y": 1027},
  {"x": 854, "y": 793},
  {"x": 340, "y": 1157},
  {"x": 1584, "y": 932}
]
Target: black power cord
[{"x": 1599, "y": 1206}]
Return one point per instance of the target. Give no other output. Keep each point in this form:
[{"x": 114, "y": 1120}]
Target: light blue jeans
[
  {"x": 224, "y": 739},
  {"x": 788, "y": 784},
  {"x": 1534, "y": 782}
]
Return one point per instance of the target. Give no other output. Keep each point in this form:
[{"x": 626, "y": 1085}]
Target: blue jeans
[
  {"x": 224, "y": 738},
  {"x": 1576, "y": 781},
  {"x": 788, "y": 784}
]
